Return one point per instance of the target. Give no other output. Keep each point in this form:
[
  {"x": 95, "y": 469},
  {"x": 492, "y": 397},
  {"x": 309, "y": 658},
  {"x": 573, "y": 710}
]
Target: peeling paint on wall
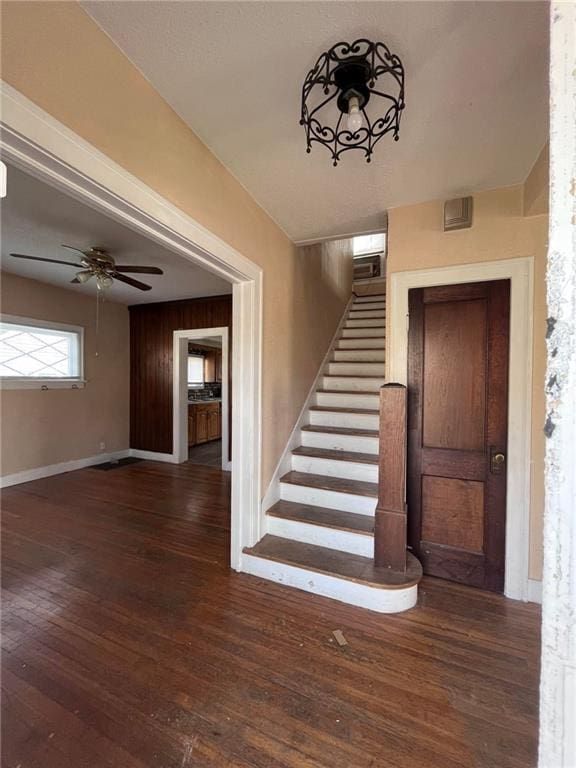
[{"x": 558, "y": 673}]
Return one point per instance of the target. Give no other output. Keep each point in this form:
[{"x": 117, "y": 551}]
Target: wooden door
[{"x": 457, "y": 430}]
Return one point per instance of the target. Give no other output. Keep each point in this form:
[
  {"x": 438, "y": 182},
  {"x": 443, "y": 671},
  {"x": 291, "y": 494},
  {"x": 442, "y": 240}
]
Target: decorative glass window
[{"x": 37, "y": 351}]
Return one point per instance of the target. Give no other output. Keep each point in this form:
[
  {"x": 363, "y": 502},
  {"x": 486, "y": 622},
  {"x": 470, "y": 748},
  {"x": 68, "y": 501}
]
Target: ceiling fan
[{"x": 97, "y": 262}]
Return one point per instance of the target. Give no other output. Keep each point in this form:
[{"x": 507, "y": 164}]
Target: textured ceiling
[
  {"x": 476, "y": 95},
  {"x": 36, "y": 219}
]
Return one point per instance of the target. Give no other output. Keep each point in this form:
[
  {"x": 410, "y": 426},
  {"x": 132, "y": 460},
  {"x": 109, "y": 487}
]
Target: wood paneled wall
[{"x": 151, "y": 329}]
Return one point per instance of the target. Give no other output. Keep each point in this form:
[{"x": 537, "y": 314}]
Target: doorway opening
[
  {"x": 517, "y": 584},
  {"x": 201, "y": 401},
  {"x": 35, "y": 142}
]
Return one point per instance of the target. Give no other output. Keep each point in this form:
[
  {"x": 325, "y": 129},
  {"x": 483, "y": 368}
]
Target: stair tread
[
  {"x": 353, "y": 431},
  {"x": 323, "y": 516},
  {"x": 335, "y": 563},
  {"x": 335, "y": 409},
  {"x": 351, "y": 375},
  {"x": 347, "y": 392},
  {"x": 369, "y": 295},
  {"x": 360, "y": 338},
  {"x": 328, "y": 453},
  {"x": 327, "y": 483}
]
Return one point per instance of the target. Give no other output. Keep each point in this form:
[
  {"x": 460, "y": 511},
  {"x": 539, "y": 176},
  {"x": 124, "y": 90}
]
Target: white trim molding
[
  {"x": 34, "y": 141},
  {"x": 37, "y": 473},
  {"x": 180, "y": 391},
  {"x": 534, "y": 591},
  {"x": 520, "y": 273},
  {"x": 557, "y": 748}
]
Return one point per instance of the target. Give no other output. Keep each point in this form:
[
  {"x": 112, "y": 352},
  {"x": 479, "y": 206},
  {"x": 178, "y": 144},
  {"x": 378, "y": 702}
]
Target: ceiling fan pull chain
[{"x": 96, "y": 343}]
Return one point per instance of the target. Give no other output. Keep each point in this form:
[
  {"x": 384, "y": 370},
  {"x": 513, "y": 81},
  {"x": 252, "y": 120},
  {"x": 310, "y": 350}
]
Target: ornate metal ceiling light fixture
[{"x": 337, "y": 90}]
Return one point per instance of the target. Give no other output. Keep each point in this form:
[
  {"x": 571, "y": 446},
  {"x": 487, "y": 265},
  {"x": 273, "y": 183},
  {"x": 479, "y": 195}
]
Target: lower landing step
[{"x": 341, "y": 576}]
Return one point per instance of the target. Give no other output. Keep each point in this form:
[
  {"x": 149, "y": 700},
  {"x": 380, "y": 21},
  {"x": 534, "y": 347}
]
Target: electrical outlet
[{"x": 102, "y": 446}]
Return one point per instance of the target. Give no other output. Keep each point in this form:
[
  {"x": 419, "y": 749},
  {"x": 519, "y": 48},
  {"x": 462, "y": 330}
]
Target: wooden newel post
[{"x": 390, "y": 523}]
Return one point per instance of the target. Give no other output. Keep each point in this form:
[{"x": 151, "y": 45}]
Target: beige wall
[
  {"x": 536, "y": 186},
  {"x": 416, "y": 240},
  {"x": 54, "y": 54},
  {"x": 38, "y": 427}
]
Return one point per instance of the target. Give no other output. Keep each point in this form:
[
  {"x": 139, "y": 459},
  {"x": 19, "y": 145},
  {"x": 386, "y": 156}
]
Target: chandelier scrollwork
[{"x": 351, "y": 76}]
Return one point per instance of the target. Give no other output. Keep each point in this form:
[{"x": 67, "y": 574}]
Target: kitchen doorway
[{"x": 201, "y": 397}]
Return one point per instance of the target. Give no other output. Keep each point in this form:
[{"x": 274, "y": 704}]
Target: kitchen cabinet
[
  {"x": 210, "y": 366},
  {"x": 204, "y": 422},
  {"x": 218, "y": 365}
]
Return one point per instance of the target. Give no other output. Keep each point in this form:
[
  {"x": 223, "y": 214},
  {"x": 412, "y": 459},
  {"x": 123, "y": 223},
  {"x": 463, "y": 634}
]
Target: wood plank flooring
[
  {"x": 206, "y": 453},
  {"x": 128, "y": 643}
]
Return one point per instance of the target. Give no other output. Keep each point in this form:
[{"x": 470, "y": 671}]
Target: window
[
  {"x": 364, "y": 244},
  {"x": 36, "y": 353},
  {"x": 195, "y": 369}
]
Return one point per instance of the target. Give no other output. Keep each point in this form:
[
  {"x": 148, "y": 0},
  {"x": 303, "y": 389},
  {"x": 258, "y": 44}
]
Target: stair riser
[
  {"x": 343, "y": 590},
  {"x": 340, "y": 442},
  {"x": 353, "y": 343},
  {"x": 347, "y": 420},
  {"x": 347, "y": 401},
  {"x": 366, "y": 297},
  {"x": 318, "y": 497},
  {"x": 360, "y": 368},
  {"x": 363, "y": 333},
  {"x": 349, "y": 469},
  {"x": 353, "y": 384},
  {"x": 366, "y": 306},
  {"x": 366, "y": 314},
  {"x": 320, "y": 536},
  {"x": 363, "y": 355},
  {"x": 369, "y": 322}
]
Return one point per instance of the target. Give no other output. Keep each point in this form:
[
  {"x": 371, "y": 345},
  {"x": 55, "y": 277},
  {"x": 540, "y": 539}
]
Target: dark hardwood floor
[
  {"x": 128, "y": 643},
  {"x": 209, "y": 454}
]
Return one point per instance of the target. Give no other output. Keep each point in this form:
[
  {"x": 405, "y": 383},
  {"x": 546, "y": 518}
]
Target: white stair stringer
[{"x": 327, "y": 496}]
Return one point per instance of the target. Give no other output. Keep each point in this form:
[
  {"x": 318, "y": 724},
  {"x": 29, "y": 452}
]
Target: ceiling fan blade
[
  {"x": 130, "y": 281},
  {"x": 51, "y": 261},
  {"x": 78, "y": 250},
  {"x": 141, "y": 270}
]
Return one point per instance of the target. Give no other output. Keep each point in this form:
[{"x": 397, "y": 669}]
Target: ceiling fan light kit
[
  {"x": 97, "y": 262},
  {"x": 353, "y": 76}
]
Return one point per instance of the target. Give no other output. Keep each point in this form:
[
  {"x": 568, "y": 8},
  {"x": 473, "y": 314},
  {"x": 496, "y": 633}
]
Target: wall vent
[{"x": 458, "y": 214}]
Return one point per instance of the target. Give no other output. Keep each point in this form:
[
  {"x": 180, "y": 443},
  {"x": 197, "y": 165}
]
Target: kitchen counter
[{"x": 204, "y": 402}]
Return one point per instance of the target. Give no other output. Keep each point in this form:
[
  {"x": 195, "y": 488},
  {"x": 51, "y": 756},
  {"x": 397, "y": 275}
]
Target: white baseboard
[
  {"x": 168, "y": 458},
  {"x": 57, "y": 469},
  {"x": 534, "y": 591}
]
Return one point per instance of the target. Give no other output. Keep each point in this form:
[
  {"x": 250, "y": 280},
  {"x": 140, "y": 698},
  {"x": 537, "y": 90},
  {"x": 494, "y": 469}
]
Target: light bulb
[
  {"x": 104, "y": 281},
  {"x": 354, "y": 121},
  {"x": 83, "y": 276}
]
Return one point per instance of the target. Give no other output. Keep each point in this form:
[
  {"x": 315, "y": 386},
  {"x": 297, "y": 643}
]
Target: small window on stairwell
[
  {"x": 369, "y": 256},
  {"x": 364, "y": 245}
]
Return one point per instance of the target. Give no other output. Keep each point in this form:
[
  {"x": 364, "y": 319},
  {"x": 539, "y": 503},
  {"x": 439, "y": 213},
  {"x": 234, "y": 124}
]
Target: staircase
[{"x": 321, "y": 532}]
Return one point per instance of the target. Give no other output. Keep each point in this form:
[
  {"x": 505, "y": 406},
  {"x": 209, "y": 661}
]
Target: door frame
[
  {"x": 180, "y": 392},
  {"x": 520, "y": 273},
  {"x": 42, "y": 146}
]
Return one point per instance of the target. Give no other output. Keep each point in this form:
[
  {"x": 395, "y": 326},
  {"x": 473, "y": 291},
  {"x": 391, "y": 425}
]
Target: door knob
[{"x": 497, "y": 461}]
